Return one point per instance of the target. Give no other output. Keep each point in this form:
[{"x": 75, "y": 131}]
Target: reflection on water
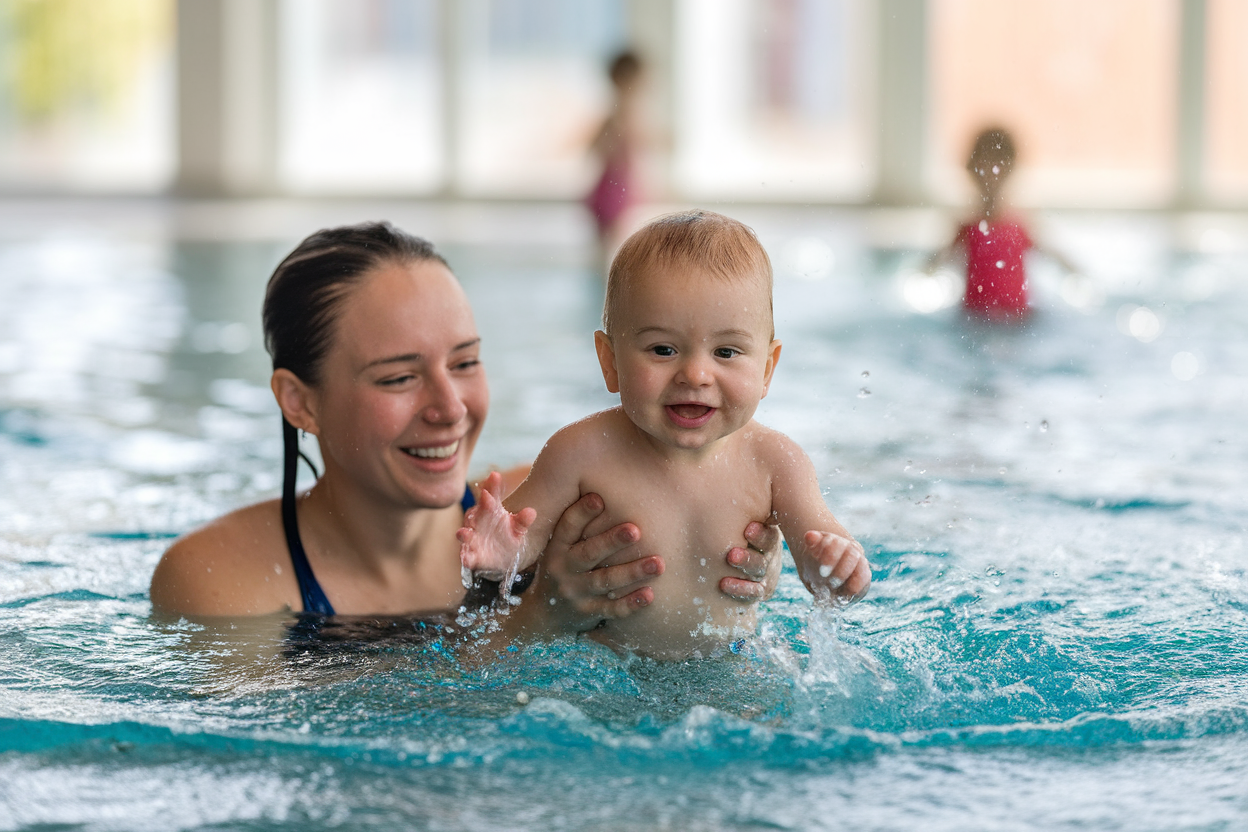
[{"x": 1055, "y": 515}]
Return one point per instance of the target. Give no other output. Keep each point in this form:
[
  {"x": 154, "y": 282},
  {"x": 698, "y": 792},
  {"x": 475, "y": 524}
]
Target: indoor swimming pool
[{"x": 1056, "y": 516}]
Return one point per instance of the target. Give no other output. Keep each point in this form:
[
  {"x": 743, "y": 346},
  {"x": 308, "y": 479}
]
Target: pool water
[{"x": 1056, "y": 516}]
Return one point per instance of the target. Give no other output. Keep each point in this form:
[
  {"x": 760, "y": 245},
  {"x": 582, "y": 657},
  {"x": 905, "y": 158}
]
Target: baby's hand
[
  {"x": 492, "y": 538},
  {"x": 835, "y": 567}
]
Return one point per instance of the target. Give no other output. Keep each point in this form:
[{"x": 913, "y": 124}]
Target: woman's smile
[
  {"x": 434, "y": 459},
  {"x": 434, "y": 452}
]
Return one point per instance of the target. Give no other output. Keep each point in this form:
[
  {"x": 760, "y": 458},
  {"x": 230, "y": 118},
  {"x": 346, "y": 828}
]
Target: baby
[{"x": 688, "y": 343}]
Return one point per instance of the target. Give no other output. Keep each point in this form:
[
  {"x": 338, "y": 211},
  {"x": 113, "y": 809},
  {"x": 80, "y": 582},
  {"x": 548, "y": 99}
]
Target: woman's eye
[
  {"x": 663, "y": 351},
  {"x": 395, "y": 381},
  {"x": 467, "y": 364},
  {"x": 726, "y": 352}
]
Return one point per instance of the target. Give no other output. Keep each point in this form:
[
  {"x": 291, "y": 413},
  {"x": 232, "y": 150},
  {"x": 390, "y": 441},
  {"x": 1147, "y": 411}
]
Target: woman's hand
[
  {"x": 571, "y": 591},
  {"x": 760, "y": 563}
]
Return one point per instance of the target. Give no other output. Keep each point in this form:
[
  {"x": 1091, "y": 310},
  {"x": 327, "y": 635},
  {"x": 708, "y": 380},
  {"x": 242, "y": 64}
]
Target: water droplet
[
  {"x": 1044, "y": 426},
  {"x": 1185, "y": 366},
  {"x": 866, "y": 374},
  {"x": 824, "y": 570},
  {"x": 996, "y": 168},
  {"x": 522, "y": 698},
  {"x": 863, "y": 393},
  {"x": 983, "y": 227},
  {"x": 1002, "y": 472},
  {"x": 1000, "y": 264}
]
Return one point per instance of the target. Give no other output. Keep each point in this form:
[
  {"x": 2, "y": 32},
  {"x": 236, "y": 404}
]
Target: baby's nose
[{"x": 696, "y": 371}]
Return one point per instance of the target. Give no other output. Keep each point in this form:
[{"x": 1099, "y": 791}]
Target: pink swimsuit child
[
  {"x": 996, "y": 283},
  {"x": 611, "y": 197}
]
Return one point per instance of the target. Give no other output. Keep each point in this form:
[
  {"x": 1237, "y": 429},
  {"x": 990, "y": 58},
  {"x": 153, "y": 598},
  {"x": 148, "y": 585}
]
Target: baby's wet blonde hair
[{"x": 713, "y": 242}]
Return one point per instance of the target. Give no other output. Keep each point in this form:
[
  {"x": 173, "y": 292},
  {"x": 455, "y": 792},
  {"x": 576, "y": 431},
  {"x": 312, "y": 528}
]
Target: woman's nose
[{"x": 444, "y": 405}]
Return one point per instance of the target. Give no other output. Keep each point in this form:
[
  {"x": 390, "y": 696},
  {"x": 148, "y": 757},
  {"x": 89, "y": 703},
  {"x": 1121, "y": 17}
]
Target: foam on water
[{"x": 1055, "y": 517}]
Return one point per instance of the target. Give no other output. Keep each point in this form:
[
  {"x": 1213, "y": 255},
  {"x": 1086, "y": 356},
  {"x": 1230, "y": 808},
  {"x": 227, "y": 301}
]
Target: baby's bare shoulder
[
  {"x": 770, "y": 443},
  {"x": 595, "y": 434},
  {"x": 780, "y": 455}
]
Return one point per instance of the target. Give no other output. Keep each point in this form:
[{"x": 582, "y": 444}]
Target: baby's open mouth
[
  {"x": 690, "y": 411},
  {"x": 689, "y": 415},
  {"x": 439, "y": 452}
]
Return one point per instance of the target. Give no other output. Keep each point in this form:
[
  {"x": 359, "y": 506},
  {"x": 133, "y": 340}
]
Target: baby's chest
[{"x": 692, "y": 525}]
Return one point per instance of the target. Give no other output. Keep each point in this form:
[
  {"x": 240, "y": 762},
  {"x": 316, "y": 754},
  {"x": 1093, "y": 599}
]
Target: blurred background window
[
  {"x": 1226, "y": 172},
  {"x": 766, "y": 100},
  {"x": 773, "y": 99},
  {"x": 1088, "y": 89},
  {"x": 86, "y": 95},
  {"x": 361, "y": 91},
  {"x": 534, "y": 92}
]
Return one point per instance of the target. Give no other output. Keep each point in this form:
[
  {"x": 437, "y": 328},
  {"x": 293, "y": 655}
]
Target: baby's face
[{"x": 691, "y": 355}]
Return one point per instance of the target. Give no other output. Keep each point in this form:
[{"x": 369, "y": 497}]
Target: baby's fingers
[
  {"x": 836, "y": 556},
  {"x": 493, "y": 485},
  {"x": 520, "y": 522},
  {"x": 859, "y": 581}
]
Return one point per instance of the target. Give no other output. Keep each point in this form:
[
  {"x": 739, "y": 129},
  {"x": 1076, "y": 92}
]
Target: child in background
[
  {"x": 688, "y": 343},
  {"x": 994, "y": 243},
  {"x": 617, "y": 145}
]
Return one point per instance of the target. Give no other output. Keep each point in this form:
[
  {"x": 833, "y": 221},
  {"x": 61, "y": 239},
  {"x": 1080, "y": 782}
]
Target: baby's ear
[
  {"x": 606, "y": 360},
  {"x": 773, "y": 358}
]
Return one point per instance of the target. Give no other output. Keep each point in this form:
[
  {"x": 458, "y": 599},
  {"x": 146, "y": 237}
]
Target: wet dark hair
[
  {"x": 624, "y": 68},
  {"x": 993, "y": 143},
  {"x": 305, "y": 295},
  {"x": 306, "y": 290}
]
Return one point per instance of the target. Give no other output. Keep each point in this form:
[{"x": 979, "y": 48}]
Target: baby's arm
[
  {"x": 829, "y": 561},
  {"x": 507, "y": 535}
]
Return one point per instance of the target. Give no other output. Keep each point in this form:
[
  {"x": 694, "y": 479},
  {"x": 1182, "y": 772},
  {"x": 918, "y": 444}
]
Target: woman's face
[{"x": 403, "y": 396}]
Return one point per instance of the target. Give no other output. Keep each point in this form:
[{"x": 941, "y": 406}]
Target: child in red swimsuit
[
  {"x": 996, "y": 280},
  {"x": 617, "y": 144}
]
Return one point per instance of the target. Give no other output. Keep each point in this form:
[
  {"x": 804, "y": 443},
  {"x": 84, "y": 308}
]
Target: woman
[{"x": 375, "y": 352}]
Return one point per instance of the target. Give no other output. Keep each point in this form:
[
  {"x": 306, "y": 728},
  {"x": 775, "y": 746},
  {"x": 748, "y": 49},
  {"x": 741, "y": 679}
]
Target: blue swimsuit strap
[{"x": 314, "y": 600}]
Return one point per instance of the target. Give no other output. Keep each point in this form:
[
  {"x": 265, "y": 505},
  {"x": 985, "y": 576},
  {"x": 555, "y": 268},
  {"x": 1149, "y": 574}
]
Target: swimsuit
[
  {"x": 996, "y": 283},
  {"x": 314, "y": 600},
  {"x": 610, "y": 197}
]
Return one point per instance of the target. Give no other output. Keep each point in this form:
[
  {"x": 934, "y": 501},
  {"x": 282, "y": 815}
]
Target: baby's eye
[
  {"x": 726, "y": 352},
  {"x": 663, "y": 350}
]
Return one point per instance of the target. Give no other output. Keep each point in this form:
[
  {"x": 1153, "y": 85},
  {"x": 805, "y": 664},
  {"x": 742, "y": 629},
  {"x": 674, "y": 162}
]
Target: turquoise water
[{"x": 1054, "y": 640}]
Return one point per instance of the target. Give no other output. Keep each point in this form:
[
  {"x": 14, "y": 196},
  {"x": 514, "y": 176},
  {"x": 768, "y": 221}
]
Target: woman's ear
[
  {"x": 296, "y": 399},
  {"x": 773, "y": 358},
  {"x": 606, "y": 360}
]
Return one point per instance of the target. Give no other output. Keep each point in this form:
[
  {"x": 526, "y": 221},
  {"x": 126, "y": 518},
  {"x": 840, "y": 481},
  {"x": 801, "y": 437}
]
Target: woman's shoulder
[{"x": 236, "y": 565}]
